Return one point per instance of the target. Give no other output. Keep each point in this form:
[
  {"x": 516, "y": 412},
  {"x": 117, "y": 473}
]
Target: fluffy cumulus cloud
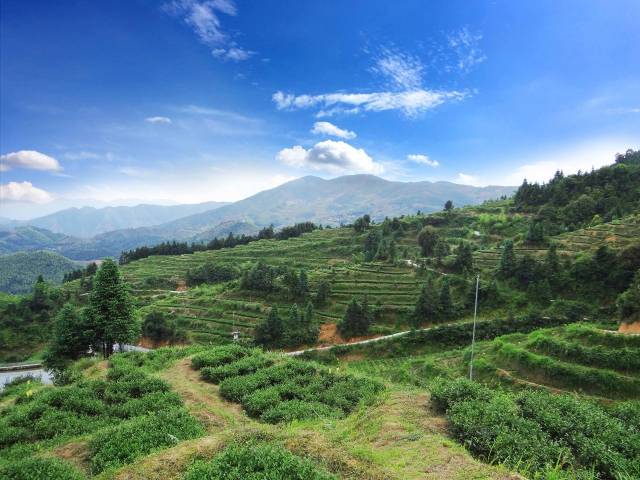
[
  {"x": 422, "y": 159},
  {"x": 23, "y": 192},
  {"x": 328, "y": 128},
  {"x": 203, "y": 16},
  {"x": 335, "y": 157},
  {"x": 30, "y": 159},
  {"x": 410, "y": 103},
  {"x": 158, "y": 120}
]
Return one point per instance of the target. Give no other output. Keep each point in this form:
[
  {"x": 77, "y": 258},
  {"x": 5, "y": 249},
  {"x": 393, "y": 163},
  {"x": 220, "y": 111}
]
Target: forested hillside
[{"x": 19, "y": 271}]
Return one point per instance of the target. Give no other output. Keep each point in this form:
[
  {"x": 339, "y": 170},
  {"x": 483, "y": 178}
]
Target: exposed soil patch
[
  {"x": 76, "y": 453},
  {"x": 182, "y": 286},
  {"x": 329, "y": 335},
  {"x": 633, "y": 327}
]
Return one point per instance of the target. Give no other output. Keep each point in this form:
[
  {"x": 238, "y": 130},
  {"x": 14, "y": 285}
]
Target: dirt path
[{"x": 202, "y": 399}]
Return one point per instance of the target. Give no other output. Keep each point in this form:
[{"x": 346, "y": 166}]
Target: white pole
[{"x": 473, "y": 336}]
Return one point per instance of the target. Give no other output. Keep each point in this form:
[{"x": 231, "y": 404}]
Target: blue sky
[{"x": 191, "y": 100}]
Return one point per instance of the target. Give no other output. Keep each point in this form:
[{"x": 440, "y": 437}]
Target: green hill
[{"x": 19, "y": 271}]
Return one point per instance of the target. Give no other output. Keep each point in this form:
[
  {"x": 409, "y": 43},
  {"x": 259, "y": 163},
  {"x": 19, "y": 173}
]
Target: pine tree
[
  {"x": 464, "y": 258},
  {"x": 508, "y": 263},
  {"x": 110, "y": 311},
  {"x": 322, "y": 295},
  {"x": 39, "y": 298},
  {"x": 448, "y": 206},
  {"x": 426, "y": 309},
  {"x": 269, "y": 333},
  {"x": 392, "y": 253},
  {"x": 303, "y": 285},
  {"x": 445, "y": 305},
  {"x": 312, "y": 330},
  {"x": 356, "y": 319}
]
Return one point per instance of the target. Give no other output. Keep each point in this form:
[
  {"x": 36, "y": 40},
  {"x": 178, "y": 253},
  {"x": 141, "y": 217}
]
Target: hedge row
[
  {"x": 535, "y": 431},
  {"x": 605, "y": 382},
  {"x": 593, "y": 336},
  {"x": 625, "y": 359},
  {"x": 256, "y": 461},
  {"x": 289, "y": 389}
]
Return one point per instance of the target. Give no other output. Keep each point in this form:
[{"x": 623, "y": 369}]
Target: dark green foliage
[
  {"x": 445, "y": 304},
  {"x": 609, "y": 192},
  {"x": 535, "y": 233},
  {"x": 71, "y": 337},
  {"x": 289, "y": 410},
  {"x": 628, "y": 302},
  {"x": 260, "y": 277},
  {"x": 628, "y": 413},
  {"x": 371, "y": 245},
  {"x": 427, "y": 240},
  {"x": 448, "y": 206},
  {"x": 534, "y": 430},
  {"x": 256, "y": 461},
  {"x": 40, "y": 468},
  {"x": 323, "y": 293},
  {"x": 81, "y": 273},
  {"x": 357, "y": 319},
  {"x": 244, "y": 366},
  {"x": 110, "y": 312},
  {"x": 270, "y": 332},
  {"x": 130, "y": 440},
  {"x": 426, "y": 309},
  {"x": 464, "y": 258},
  {"x": 19, "y": 271},
  {"x": 508, "y": 263},
  {"x": 300, "y": 328},
  {"x": 361, "y": 223},
  {"x": 211, "y": 273},
  {"x": 158, "y": 328}
]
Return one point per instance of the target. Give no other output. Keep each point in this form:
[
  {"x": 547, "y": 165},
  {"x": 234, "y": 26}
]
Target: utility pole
[{"x": 473, "y": 336}]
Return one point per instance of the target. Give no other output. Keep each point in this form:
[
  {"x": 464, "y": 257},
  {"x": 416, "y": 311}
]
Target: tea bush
[
  {"x": 40, "y": 468},
  {"x": 218, "y": 356},
  {"x": 629, "y": 413},
  {"x": 256, "y": 461},
  {"x": 535, "y": 431},
  {"x": 290, "y": 389},
  {"x": 125, "y": 442},
  {"x": 625, "y": 359}
]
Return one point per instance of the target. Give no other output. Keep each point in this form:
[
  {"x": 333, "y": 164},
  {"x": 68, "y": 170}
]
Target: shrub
[
  {"x": 243, "y": 366},
  {"x": 150, "y": 403},
  {"x": 40, "y": 468},
  {"x": 130, "y": 440},
  {"x": 629, "y": 413},
  {"x": 219, "y": 356},
  {"x": 298, "y": 410},
  {"x": 255, "y": 461},
  {"x": 494, "y": 429},
  {"x": 445, "y": 392},
  {"x": 261, "y": 400}
]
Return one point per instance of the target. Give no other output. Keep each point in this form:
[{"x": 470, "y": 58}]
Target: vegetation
[{"x": 19, "y": 271}]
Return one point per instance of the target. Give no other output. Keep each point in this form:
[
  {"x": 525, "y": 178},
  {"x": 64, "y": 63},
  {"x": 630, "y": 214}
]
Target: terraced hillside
[
  {"x": 617, "y": 235},
  {"x": 211, "y": 312}
]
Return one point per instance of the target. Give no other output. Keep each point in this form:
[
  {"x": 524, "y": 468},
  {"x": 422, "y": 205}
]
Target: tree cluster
[{"x": 357, "y": 319}]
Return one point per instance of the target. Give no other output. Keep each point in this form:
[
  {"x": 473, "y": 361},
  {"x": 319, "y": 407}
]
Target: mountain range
[{"x": 335, "y": 201}]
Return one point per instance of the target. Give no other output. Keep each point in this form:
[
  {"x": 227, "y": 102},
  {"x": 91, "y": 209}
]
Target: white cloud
[
  {"x": 327, "y": 128},
  {"x": 423, "y": 159},
  {"x": 159, "y": 120},
  {"x": 203, "y": 18},
  {"x": 335, "y": 157},
  {"x": 236, "y": 54},
  {"x": 410, "y": 103},
  {"x": 466, "y": 46},
  {"x": 466, "y": 179},
  {"x": 402, "y": 70},
  {"x": 28, "y": 159},
  {"x": 23, "y": 192}
]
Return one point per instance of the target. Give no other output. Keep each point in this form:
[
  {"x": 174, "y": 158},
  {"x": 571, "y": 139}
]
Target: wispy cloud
[
  {"x": 158, "y": 120},
  {"x": 466, "y": 179},
  {"x": 29, "y": 159},
  {"x": 466, "y": 46},
  {"x": 410, "y": 103},
  {"x": 422, "y": 159},
  {"x": 23, "y": 192},
  {"x": 402, "y": 70},
  {"x": 203, "y": 16},
  {"x": 335, "y": 157},
  {"x": 327, "y": 128}
]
